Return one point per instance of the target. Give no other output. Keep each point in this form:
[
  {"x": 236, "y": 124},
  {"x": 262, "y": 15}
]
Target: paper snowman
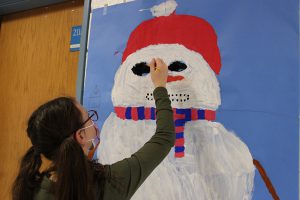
[{"x": 207, "y": 162}]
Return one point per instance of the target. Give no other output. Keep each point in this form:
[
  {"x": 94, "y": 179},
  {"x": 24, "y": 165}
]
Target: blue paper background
[{"x": 259, "y": 79}]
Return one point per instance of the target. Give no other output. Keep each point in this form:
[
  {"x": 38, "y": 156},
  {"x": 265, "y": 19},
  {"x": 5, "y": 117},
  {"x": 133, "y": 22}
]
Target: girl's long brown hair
[{"x": 50, "y": 130}]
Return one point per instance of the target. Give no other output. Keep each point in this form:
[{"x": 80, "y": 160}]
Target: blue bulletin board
[{"x": 259, "y": 76}]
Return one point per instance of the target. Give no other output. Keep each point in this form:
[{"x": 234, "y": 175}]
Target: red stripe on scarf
[
  {"x": 120, "y": 111},
  {"x": 134, "y": 114},
  {"x": 179, "y": 142},
  {"x": 194, "y": 114},
  {"x": 179, "y": 129},
  {"x": 179, "y": 154},
  {"x": 210, "y": 115},
  {"x": 147, "y": 113}
]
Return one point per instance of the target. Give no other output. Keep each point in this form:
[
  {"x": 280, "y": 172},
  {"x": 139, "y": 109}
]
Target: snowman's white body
[{"x": 217, "y": 165}]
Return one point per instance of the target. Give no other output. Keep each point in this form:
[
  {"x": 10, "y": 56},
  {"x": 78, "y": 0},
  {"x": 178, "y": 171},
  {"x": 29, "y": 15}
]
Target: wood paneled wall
[{"x": 36, "y": 65}]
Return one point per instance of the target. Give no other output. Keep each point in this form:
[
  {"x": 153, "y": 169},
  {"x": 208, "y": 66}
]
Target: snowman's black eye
[
  {"x": 141, "y": 69},
  {"x": 177, "y": 66}
]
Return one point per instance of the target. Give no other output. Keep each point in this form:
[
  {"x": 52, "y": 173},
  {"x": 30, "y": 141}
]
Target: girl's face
[{"x": 86, "y": 134}]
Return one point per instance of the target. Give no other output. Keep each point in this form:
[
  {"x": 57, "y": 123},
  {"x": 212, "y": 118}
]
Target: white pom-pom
[{"x": 164, "y": 9}]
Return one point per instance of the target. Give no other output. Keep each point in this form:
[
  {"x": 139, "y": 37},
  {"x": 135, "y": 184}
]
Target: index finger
[
  {"x": 160, "y": 62},
  {"x": 152, "y": 65}
]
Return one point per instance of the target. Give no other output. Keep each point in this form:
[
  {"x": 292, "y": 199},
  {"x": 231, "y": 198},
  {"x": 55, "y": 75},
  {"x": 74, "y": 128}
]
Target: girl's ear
[{"x": 79, "y": 136}]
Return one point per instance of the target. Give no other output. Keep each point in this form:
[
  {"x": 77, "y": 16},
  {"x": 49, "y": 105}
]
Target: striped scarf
[{"x": 181, "y": 116}]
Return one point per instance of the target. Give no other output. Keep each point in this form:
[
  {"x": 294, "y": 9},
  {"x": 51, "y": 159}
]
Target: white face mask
[{"x": 92, "y": 153}]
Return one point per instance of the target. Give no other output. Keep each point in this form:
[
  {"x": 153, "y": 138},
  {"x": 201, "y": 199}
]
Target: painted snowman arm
[{"x": 132, "y": 172}]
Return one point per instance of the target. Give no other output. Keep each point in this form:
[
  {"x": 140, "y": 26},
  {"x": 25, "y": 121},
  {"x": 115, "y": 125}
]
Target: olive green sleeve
[{"x": 131, "y": 172}]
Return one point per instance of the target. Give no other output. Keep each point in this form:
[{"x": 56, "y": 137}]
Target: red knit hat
[{"x": 190, "y": 31}]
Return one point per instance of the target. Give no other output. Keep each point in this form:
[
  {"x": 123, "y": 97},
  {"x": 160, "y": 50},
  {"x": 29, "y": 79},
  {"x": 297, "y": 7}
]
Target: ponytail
[
  {"x": 74, "y": 174},
  {"x": 29, "y": 177},
  {"x": 50, "y": 129}
]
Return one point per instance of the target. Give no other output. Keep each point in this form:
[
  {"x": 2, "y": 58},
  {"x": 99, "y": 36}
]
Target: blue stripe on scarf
[
  {"x": 141, "y": 113},
  {"x": 128, "y": 113},
  {"x": 179, "y": 149},
  {"x": 180, "y": 122},
  {"x": 179, "y": 135},
  {"x": 187, "y": 113},
  {"x": 201, "y": 114},
  {"x": 152, "y": 113}
]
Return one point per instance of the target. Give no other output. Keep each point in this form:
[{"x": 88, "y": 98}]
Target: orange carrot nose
[{"x": 174, "y": 78}]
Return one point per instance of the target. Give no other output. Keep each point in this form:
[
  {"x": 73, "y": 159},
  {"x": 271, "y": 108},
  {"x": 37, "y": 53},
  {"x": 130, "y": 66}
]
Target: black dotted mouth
[
  {"x": 173, "y": 97},
  {"x": 149, "y": 96}
]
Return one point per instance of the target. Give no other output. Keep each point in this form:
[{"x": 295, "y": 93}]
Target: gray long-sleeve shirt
[{"x": 123, "y": 178}]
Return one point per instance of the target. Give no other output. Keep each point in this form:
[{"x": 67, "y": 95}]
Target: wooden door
[{"x": 35, "y": 66}]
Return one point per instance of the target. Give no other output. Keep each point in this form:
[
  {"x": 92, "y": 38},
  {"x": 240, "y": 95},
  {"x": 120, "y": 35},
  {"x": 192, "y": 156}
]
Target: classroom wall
[{"x": 35, "y": 66}]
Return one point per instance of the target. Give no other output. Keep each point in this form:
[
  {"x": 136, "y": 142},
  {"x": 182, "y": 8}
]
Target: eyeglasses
[{"x": 93, "y": 115}]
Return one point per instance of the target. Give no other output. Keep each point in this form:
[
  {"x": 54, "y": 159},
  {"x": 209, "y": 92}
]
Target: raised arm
[{"x": 131, "y": 172}]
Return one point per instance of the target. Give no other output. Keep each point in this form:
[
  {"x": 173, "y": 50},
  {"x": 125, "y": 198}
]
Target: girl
[{"x": 64, "y": 137}]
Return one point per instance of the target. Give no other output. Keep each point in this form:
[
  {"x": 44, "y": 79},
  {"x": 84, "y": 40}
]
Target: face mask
[{"x": 92, "y": 152}]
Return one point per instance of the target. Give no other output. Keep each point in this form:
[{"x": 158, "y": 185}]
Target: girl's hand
[{"x": 159, "y": 72}]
